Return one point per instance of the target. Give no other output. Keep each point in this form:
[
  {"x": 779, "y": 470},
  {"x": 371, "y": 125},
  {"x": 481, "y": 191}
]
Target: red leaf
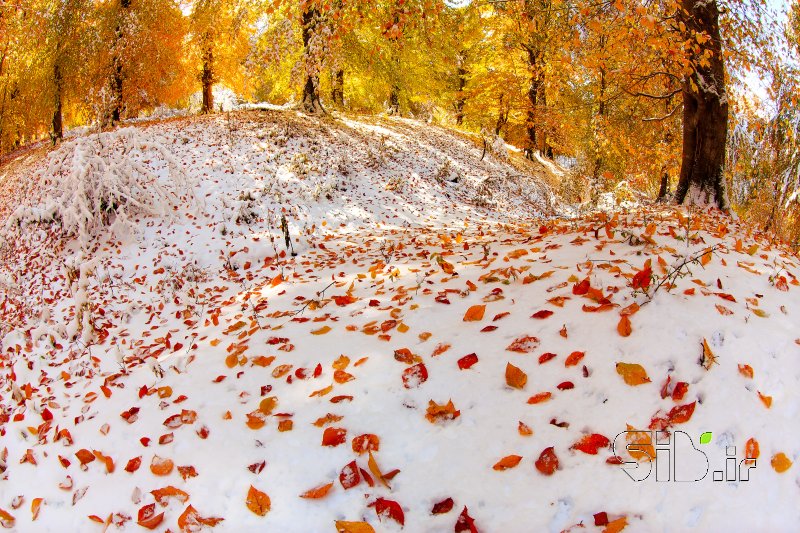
[
  {"x": 467, "y": 361},
  {"x": 566, "y": 385},
  {"x": 541, "y": 315},
  {"x": 574, "y": 358},
  {"x": 546, "y": 357},
  {"x": 642, "y": 279},
  {"x": 579, "y": 289},
  {"x": 590, "y": 443},
  {"x": 547, "y": 463},
  {"x": 465, "y": 523},
  {"x": 444, "y": 506},
  {"x": 349, "y": 476},
  {"x": 389, "y": 509},
  {"x": 681, "y": 388},
  {"x": 414, "y": 376},
  {"x": 681, "y": 413}
]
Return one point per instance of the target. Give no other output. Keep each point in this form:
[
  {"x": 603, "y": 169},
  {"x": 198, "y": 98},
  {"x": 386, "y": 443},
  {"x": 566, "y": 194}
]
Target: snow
[{"x": 389, "y": 250}]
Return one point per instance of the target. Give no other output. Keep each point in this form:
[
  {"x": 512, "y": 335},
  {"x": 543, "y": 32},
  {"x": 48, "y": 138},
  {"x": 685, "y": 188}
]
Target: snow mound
[{"x": 337, "y": 336}]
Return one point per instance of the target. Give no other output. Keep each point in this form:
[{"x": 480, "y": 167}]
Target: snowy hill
[{"x": 441, "y": 350}]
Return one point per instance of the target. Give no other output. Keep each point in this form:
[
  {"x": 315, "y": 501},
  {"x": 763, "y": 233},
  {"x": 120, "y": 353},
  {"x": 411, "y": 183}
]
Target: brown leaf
[{"x": 515, "y": 377}]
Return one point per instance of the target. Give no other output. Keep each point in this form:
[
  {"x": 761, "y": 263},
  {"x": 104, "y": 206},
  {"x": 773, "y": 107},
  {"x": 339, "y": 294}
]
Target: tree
[
  {"x": 219, "y": 35},
  {"x": 705, "y": 108}
]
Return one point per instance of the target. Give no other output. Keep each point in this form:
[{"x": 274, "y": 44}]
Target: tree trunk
[
  {"x": 58, "y": 122},
  {"x": 663, "y": 191},
  {"x": 207, "y": 79},
  {"x": 117, "y": 77},
  {"x": 536, "y": 95},
  {"x": 311, "y": 101},
  {"x": 705, "y": 112},
  {"x": 394, "y": 100},
  {"x": 462, "y": 83},
  {"x": 337, "y": 94}
]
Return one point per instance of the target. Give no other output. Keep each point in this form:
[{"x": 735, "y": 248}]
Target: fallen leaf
[
  {"x": 624, "y": 326},
  {"x": 509, "y": 461},
  {"x": 633, "y": 374},
  {"x": 547, "y": 463},
  {"x": 475, "y": 313},
  {"x": 389, "y": 509},
  {"x": 780, "y": 462},
  {"x": 524, "y": 344},
  {"x": 515, "y": 377},
  {"x": 318, "y": 492},
  {"x": 591, "y": 443},
  {"x": 257, "y": 501},
  {"x": 353, "y": 527}
]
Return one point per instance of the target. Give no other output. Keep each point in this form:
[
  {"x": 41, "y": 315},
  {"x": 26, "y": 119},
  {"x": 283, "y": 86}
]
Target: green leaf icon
[{"x": 705, "y": 438}]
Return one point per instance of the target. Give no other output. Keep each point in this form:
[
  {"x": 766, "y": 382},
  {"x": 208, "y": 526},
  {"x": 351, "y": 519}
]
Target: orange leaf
[
  {"x": 624, "y": 326},
  {"x": 524, "y": 344},
  {"x": 84, "y": 456},
  {"x": 373, "y": 467},
  {"x": 574, "y": 358},
  {"x": 268, "y": 405},
  {"x": 36, "y": 504},
  {"x": 161, "y": 466},
  {"x": 257, "y": 501},
  {"x": 751, "y": 450},
  {"x": 524, "y": 429},
  {"x": 366, "y": 443},
  {"x": 539, "y": 398},
  {"x": 190, "y": 520},
  {"x": 353, "y": 527},
  {"x": 162, "y": 495},
  {"x": 515, "y": 377},
  {"x": 333, "y": 436},
  {"x": 474, "y": 313},
  {"x": 438, "y": 412},
  {"x": 766, "y": 400},
  {"x": 781, "y": 463},
  {"x": 318, "y": 492},
  {"x": 746, "y": 371},
  {"x": 321, "y": 331},
  {"x": 509, "y": 461},
  {"x": 616, "y": 526},
  {"x": 148, "y": 518}
]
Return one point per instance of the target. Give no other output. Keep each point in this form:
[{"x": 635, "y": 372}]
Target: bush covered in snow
[{"x": 105, "y": 179}]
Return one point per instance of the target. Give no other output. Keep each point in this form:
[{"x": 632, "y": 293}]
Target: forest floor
[{"x": 438, "y": 349}]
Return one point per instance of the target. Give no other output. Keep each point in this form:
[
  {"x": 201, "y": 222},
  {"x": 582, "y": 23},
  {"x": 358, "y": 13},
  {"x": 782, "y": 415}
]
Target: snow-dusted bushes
[{"x": 106, "y": 178}]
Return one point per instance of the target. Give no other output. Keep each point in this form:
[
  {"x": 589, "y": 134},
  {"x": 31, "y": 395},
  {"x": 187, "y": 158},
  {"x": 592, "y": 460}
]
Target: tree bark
[
  {"x": 705, "y": 111},
  {"x": 117, "y": 77},
  {"x": 58, "y": 122},
  {"x": 394, "y": 100},
  {"x": 536, "y": 97},
  {"x": 207, "y": 79},
  {"x": 311, "y": 101},
  {"x": 462, "y": 84},
  {"x": 663, "y": 191},
  {"x": 337, "y": 94}
]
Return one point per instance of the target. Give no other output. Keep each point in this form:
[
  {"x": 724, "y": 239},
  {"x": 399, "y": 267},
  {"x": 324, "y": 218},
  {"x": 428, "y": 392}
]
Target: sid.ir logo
[{"x": 674, "y": 457}]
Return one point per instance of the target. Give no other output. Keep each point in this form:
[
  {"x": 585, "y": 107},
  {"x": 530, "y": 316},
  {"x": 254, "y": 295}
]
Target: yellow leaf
[
  {"x": 321, "y": 331},
  {"x": 373, "y": 467},
  {"x": 632, "y": 373}
]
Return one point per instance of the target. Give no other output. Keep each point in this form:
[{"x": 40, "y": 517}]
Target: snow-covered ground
[{"x": 177, "y": 359}]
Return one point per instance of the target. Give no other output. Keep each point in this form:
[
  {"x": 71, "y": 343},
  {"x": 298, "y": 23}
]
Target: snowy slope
[{"x": 192, "y": 337}]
